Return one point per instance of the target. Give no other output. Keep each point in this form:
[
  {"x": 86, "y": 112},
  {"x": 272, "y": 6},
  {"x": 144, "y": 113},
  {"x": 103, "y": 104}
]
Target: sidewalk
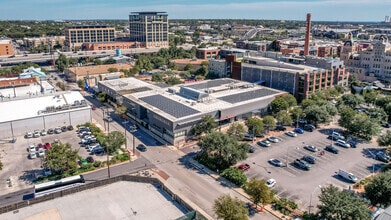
[{"x": 268, "y": 208}]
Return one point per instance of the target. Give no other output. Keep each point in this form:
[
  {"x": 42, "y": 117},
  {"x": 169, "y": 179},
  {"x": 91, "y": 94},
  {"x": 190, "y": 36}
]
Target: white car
[
  {"x": 31, "y": 148},
  {"x": 44, "y": 132},
  {"x": 37, "y": 134},
  {"x": 28, "y": 135},
  {"x": 291, "y": 133},
  {"x": 272, "y": 139},
  {"x": 270, "y": 182},
  {"x": 32, "y": 155},
  {"x": 342, "y": 143},
  {"x": 41, "y": 152}
]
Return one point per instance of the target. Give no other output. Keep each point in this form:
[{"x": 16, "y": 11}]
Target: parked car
[
  {"x": 41, "y": 152},
  {"x": 50, "y": 131},
  {"x": 336, "y": 136},
  {"x": 108, "y": 119},
  {"x": 70, "y": 128},
  {"x": 31, "y": 148},
  {"x": 291, "y": 133},
  {"x": 91, "y": 147},
  {"x": 28, "y": 135},
  {"x": 353, "y": 143},
  {"x": 348, "y": 176},
  {"x": 299, "y": 130},
  {"x": 90, "y": 159},
  {"x": 98, "y": 151},
  {"x": 311, "y": 148},
  {"x": 83, "y": 162},
  {"x": 302, "y": 164},
  {"x": 47, "y": 146},
  {"x": 248, "y": 137},
  {"x": 57, "y": 130},
  {"x": 273, "y": 139},
  {"x": 383, "y": 157},
  {"x": 44, "y": 132},
  {"x": 244, "y": 167},
  {"x": 251, "y": 149},
  {"x": 261, "y": 135},
  {"x": 310, "y": 159},
  {"x": 332, "y": 149},
  {"x": 64, "y": 128},
  {"x": 342, "y": 143},
  {"x": 32, "y": 155},
  {"x": 141, "y": 147},
  {"x": 264, "y": 143},
  {"x": 275, "y": 162},
  {"x": 309, "y": 127},
  {"x": 47, "y": 172},
  {"x": 93, "y": 107},
  {"x": 37, "y": 134},
  {"x": 270, "y": 182},
  {"x": 280, "y": 128}
]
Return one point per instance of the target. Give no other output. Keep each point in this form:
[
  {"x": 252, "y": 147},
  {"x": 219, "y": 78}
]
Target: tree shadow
[{"x": 30, "y": 176}]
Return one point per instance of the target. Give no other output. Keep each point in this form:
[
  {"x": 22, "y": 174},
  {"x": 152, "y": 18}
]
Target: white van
[{"x": 348, "y": 176}]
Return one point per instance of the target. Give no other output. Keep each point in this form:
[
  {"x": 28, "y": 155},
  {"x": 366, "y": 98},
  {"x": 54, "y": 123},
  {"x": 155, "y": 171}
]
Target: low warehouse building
[{"x": 19, "y": 116}]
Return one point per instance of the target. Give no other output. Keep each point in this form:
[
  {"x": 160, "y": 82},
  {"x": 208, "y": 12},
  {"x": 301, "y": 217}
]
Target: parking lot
[
  {"x": 299, "y": 184},
  {"x": 22, "y": 170}
]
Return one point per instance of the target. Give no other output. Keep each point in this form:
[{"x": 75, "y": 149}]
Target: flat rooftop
[
  {"x": 170, "y": 103},
  {"x": 120, "y": 200},
  {"x": 272, "y": 64},
  {"x": 36, "y": 106}
]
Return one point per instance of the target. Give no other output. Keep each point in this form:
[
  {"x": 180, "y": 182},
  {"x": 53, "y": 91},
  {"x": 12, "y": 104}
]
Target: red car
[
  {"x": 244, "y": 167},
  {"x": 47, "y": 146}
]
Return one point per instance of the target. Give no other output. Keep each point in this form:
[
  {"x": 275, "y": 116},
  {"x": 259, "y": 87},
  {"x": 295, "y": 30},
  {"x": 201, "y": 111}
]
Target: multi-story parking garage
[
  {"x": 49, "y": 111},
  {"x": 170, "y": 113}
]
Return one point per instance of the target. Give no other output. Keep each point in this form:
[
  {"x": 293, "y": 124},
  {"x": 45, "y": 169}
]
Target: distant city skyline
[{"x": 321, "y": 10}]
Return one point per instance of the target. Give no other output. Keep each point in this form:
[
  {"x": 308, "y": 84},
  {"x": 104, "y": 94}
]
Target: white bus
[{"x": 57, "y": 185}]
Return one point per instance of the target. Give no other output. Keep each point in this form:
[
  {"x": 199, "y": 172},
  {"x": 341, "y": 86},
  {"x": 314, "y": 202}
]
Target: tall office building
[
  {"x": 75, "y": 36},
  {"x": 149, "y": 29}
]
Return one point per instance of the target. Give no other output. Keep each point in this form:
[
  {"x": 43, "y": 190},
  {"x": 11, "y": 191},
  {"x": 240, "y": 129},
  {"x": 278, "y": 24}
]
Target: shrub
[
  {"x": 235, "y": 176},
  {"x": 97, "y": 164}
]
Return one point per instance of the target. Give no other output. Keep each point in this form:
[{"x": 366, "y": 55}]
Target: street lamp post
[
  {"x": 310, "y": 206},
  {"x": 133, "y": 129}
]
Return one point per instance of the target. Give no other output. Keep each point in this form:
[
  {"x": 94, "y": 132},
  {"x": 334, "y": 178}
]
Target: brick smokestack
[{"x": 307, "y": 36}]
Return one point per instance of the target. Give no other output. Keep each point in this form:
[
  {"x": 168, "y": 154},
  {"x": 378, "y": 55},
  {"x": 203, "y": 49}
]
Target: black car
[
  {"x": 302, "y": 164},
  {"x": 332, "y": 149},
  {"x": 70, "y": 128},
  {"x": 141, "y": 147},
  {"x": 98, "y": 151},
  {"x": 310, "y": 159},
  {"x": 280, "y": 128},
  {"x": 50, "y": 131},
  {"x": 309, "y": 127},
  {"x": 90, "y": 159},
  {"x": 64, "y": 128},
  {"x": 383, "y": 157}
]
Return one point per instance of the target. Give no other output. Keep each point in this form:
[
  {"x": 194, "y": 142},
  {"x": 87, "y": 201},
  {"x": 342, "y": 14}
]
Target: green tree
[
  {"x": 290, "y": 99},
  {"x": 379, "y": 189},
  {"x": 114, "y": 141},
  {"x": 284, "y": 118},
  {"x": 229, "y": 208},
  {"x": 316, "y": 114},
  {"x": 254, "y": 125},
  {"x": 385, "y": 139},
  {"x": 352, "y": 100},
  {"x": 220, "y": 151},
  {"x": 80, "y": 83},
  {"x": 121, "y": 110},
  {"x": 207, "y": 125},
  {"x": 279, "y": 104},
  {"x": 112, "y": 70},
  {"x": 62, "y": 63},
  {"x": 370, "y": 96},
  {"x": 61, "y": 158},
  {"x": 188, "y": 67},
  {"x": 157, "y": 77},
  {"x": 234, "y": 175},
  {"x": 269, "y": 122},
  {"x": 236, "y": 130},
  {"x": 339, "y": 205},
  {"x": 347, "y": 116},
  {"x": 297, "y": 112},
  {"x": 173, "y": 80},
  {"x": 364, "y": 127},
  {"x": 307, "y": 102},
  {"x": 259, "y": 192},
  {"x": 1, "y": 165},
  {"x": 102, "y": 97},
  {"x": 378, "y": 114}
]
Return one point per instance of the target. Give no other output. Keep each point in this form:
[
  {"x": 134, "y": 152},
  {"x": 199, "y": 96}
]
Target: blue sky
[{"x": 321, "y": 10}]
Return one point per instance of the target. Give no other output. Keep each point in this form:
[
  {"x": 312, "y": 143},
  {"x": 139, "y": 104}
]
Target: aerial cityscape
[{"x": 195, "y": 110}]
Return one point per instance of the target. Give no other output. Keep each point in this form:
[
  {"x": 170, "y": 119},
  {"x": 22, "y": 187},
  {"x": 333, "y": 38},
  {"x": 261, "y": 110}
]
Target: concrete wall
[{"x": 20, "y": 127}]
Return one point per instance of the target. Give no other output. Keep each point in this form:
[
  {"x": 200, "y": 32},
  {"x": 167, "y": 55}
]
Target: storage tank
[{"x": 118, "y": 52}]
